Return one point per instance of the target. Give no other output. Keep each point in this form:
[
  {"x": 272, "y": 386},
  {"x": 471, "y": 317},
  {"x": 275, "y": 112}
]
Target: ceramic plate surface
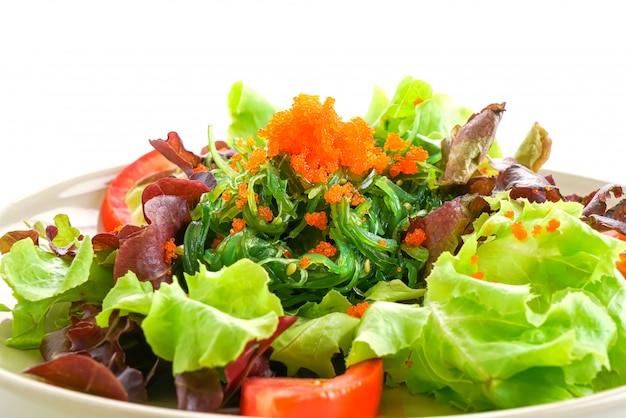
[{"x": 80, "y": 198}]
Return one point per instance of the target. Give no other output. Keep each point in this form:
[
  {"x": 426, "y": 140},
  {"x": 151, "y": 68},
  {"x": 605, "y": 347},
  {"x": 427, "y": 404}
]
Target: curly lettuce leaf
[
  {"x": 513, "y": 319},
  {"x": 416, "y": 113},
  {"x": 470, "y": 144},
  {"x": 44, "y": 286},
  {"x": 35, "y": 274},
  {"x": 208, "y": 326}
]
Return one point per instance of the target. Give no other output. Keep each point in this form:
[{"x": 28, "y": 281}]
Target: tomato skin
[
  {"x": 114, "y": 211},
  {"x": 356, "y": 393}
]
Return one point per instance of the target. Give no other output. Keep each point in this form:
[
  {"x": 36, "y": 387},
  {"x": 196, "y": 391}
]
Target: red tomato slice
[
  {"x": 356, "y": 393},
  {"x": 114, "y": 211}
]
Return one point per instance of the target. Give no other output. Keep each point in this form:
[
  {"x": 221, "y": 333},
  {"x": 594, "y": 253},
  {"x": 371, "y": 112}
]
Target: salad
[{"x": 305, "y": 261}]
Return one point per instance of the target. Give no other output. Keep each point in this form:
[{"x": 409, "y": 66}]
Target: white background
[{"x": 85, "y": 84}]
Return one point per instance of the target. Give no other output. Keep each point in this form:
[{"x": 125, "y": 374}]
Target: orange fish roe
[
  {"x": 317, "y": 219},
  {"x": 318, "y": 141},
  {"x": 408, "y": 163},
  {"x": 382, "y": 242},
  {"x": 474, "y": 259},
  {"x": 357, "y": 310},
  {"x": 265, "y": 213},
  {"x": 519, "y": 232},
  {"x": 257, "y": 157},
  {"x": 415, "y": 238},
  {"x": 237, "y": 158},
  {"x": 237, "y": 225},
  {"x": 379, "y": 162},
  {"x": 537, "y": 230},
  {"x": 417, "y": 101},
  {"x": 249, "y": 142},
  {"x": 480, "y": 275},
  {"x": 242, "y": 196},
  {"x": 324, "y": 248},
  {"x": 336, "y": 192},
  {"x": 553, "y": 225},
  {"x": 305, "y": 261},
  {"x": 509, "y": 214},
  {"x": 169, "y": 251},
  {"x": 357, "y": 199},
  {"x": 395, "y": 143},
  {"x": 226, "y": 195}
]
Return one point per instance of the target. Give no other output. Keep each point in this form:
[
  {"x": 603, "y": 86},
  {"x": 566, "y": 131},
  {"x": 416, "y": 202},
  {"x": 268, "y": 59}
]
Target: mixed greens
[{"x": 303, "y": 244}]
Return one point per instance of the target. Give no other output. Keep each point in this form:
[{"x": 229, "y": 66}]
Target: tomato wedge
[
  {"x": 356, "y": 393},
  {"x": 114, "y": 211}
]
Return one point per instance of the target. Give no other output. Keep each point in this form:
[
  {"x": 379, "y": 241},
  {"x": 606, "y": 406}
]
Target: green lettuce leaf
[
  {"x": 513, "y": 319},
  {"x": 249, "y": 112},
  {"x": 322, "y": 330},
  {"x": 332, "y": 302},
  {"x": 398, "y": 114},
  {"x": 128, "y": 295},
  {"x": 535, "y": 149},
  {"x": 45, "y": 285},
  {"x": 415, "y": 113},
  {"x": 35, "y": 274},
  {"x": 209, "y": 325},
  {"x": 394, "y": 291}
]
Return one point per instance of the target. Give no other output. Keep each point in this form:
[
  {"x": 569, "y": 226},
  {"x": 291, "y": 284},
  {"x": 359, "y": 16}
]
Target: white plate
[{"x": 80, "y": 198}]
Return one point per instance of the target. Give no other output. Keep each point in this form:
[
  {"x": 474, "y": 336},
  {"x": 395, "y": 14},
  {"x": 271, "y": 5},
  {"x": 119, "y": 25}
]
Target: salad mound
[{"x": 304, "y": 245}]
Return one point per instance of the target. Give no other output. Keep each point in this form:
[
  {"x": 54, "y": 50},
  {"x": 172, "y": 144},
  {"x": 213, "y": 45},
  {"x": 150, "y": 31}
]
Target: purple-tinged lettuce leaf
[
  {"x": 445, "y": 225},
  {"x": 11, "y": 237},
  {"x": 205, "y": 177},
  {"x": 173, "y": 149},
  {"x": 199, "y": 390},
  {"x": 598, "y": 200},
  {"x": 143, "y": 252},
  {"x": 254, "y": 361},
  {"x": 524, "y": 183},
  {"x": 190, "y": 190},
  {"x": 82, "y": 373},
  {"x": 104, "y": 345},
  {"x": 469, "y": 146}
]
